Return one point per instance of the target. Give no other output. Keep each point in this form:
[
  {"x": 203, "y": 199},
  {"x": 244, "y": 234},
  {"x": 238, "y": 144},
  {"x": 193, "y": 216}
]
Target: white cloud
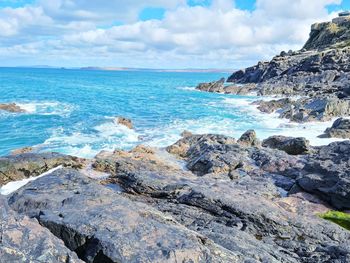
[{"x": 216, "y": 36}]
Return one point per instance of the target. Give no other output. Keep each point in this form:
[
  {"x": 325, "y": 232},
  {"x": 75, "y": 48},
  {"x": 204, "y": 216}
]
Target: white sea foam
[
  {"x": 11, "y": 187},
  {"x": 187, "y": 88},
  {"x": 47, "y": 108}
]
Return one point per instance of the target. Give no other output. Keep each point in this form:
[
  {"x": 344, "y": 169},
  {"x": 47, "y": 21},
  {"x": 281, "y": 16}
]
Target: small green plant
[{"x": 340, "y": 218}]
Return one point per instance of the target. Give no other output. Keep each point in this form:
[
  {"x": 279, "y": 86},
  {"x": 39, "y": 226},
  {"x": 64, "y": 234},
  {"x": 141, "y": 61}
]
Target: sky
[{"x": 156, "y": 33}]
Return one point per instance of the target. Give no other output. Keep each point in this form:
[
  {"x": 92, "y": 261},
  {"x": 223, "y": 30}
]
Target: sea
[{"x": 74, "y": 111}]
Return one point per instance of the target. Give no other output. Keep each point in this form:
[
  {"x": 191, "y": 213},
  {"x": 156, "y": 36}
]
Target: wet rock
[
  {"x": 339, "y": 129},
  {"x": 24, "y": 240},
  {"x": 101, "y": 225},
  {"x": 124, "y": 121},
  {"x": 215, "y": 86},
  {"x": 18, "y": 167},
  {"x": 249, "y": 139},
  {"x": 11, "y": 107},
  {"x": 273, "y": 105},
  {"x": 290, "y": 145},
  {"x": 186, "y": 133}
]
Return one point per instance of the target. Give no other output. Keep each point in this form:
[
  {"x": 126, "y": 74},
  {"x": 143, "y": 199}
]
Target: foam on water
[
  {"x": 11, "y": 187},
  {"x": 46, "y": 108}
]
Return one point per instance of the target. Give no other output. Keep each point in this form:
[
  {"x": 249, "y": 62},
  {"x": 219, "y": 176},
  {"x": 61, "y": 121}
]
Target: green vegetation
[{"x": 340, "y": 218}]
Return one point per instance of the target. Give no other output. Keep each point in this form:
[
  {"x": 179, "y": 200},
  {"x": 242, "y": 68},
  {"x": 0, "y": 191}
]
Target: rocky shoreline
[{"x": 206, "y": 198}]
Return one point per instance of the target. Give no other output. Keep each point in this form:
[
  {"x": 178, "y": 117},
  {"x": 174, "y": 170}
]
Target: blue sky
[{"x": 155, "y": 33}]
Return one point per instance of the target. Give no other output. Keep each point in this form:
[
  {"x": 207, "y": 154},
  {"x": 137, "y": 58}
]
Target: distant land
[{"x": 158, "y": 70}]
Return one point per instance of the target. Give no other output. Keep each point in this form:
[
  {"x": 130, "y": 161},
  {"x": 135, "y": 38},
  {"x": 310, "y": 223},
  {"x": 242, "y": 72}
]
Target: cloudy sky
[{"x": 155, "y": 33}]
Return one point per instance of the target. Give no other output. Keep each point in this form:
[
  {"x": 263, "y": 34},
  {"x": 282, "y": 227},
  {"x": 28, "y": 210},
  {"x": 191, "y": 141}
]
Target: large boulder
[
  {"x": 21, "y": 166},
  {"x": 249, "y": 139},
  {"x": 24, "y": 240},
  {"x": 339, "y": 129},
  {"x": 290, "y": 145}
]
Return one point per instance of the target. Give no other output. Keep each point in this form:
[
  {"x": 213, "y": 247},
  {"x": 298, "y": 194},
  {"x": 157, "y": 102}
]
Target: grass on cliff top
[{"x": 340, "y": 218}]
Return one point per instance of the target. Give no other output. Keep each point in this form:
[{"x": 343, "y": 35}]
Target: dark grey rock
[
  {"x": 249, "y": 139},
  {"x": 24, "y": 240},
  {"x": 290, "y": 145},
  {"x": 339, "y": 129},
  {"x": 215, "y": 86}
]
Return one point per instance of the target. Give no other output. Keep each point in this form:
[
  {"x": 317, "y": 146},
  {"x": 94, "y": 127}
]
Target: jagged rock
[
  {"x": 101, "y": 225},
  {"x": 247, "y": 216},
  {"x": 290, "y": 145},
  {"x": 339, "y": 129},
  {"x": 215, "y": 86},
  {"x": 24, "y": 240},
  {"x": 221, "y": 156},
  {"x": 273, "y": 105},
  {"x": 11, "y": 107},
  {"x": 326, "y": 174},
  {"x": 17, "y": 167},
  {"x": 124, "y": 121},
  {"x": 249, "y": 139},
  {"x": 186, "y": 133}
]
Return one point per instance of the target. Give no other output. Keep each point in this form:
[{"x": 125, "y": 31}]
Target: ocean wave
[
  {"x": 106, "y": 136},
  {"x": 47, "y": 108}
]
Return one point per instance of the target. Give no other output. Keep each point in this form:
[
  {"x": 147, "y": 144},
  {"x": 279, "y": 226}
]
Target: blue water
[{"x": 73, "y": 111}]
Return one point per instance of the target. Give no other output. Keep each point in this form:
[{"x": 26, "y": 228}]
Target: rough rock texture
[
  {"x": 249, "y": 139},
  {"x": 124, "y": 121},
  {"x": 24, "y": 240},
  {"x": 290, "y": 145},
  {"x": 246, "y": 214},
  {"x": 339, "y": 129},
  {"x": 101, "y": 225},
  {"x": 11, "y": 107},
  {"x": 17, "y": 167},
  {"x": 327, "y": 174}
]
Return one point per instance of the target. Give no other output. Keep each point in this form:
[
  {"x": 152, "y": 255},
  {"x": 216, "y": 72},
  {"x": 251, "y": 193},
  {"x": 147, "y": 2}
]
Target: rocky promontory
[{"x": 319, "y": 74}]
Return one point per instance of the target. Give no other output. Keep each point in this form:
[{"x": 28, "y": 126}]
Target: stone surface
[
  {"x": 17, "y": 167},
  {"x": 290, "y": 145},
  {"x": 24, "y": 240},
  {"x": 215, "y": 86},
  {"x": 249, "y": 139},
  {"x": 11, "y": 107},
  {"x": 124, "y": 121},
  {"x": 101, "y": 225},
  {"x": 28, "y": 149},
  {"x": 339, "y": 129}
]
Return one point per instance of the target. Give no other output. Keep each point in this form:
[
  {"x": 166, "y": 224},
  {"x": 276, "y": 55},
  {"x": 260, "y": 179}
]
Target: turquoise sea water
[{"x": 73, "y": 111}]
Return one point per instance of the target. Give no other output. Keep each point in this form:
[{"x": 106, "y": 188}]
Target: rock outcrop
[
  {"x": 17, "y": 167},
  {"x": 11, "y": 107},
  {"x": 339, "y": 129},
  {"x": 209, "y": 198},
  {"x": 124, "y": 121}
]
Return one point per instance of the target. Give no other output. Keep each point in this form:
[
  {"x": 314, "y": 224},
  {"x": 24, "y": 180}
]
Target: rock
[
  {"x": 215, "y": 86},
  {"x": 101, "y": 225},
  {"x": 290, "y": 145},
  {"x": 186, "y": 133},
  {"x": 248, "y": 216},
  {"x": 339, "y": 129},
  {"x": 11, "y": 107},
  {"x": 28, "y": 149},
  {"x": 18, "y": 167},
  {"x": 273, "y": 105},
  {"x": 124, "y": 121},
  {"x": 25, "y": 240},
  {"x": 249, "y": 139},
  {"x": 326, "y": 174}
]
